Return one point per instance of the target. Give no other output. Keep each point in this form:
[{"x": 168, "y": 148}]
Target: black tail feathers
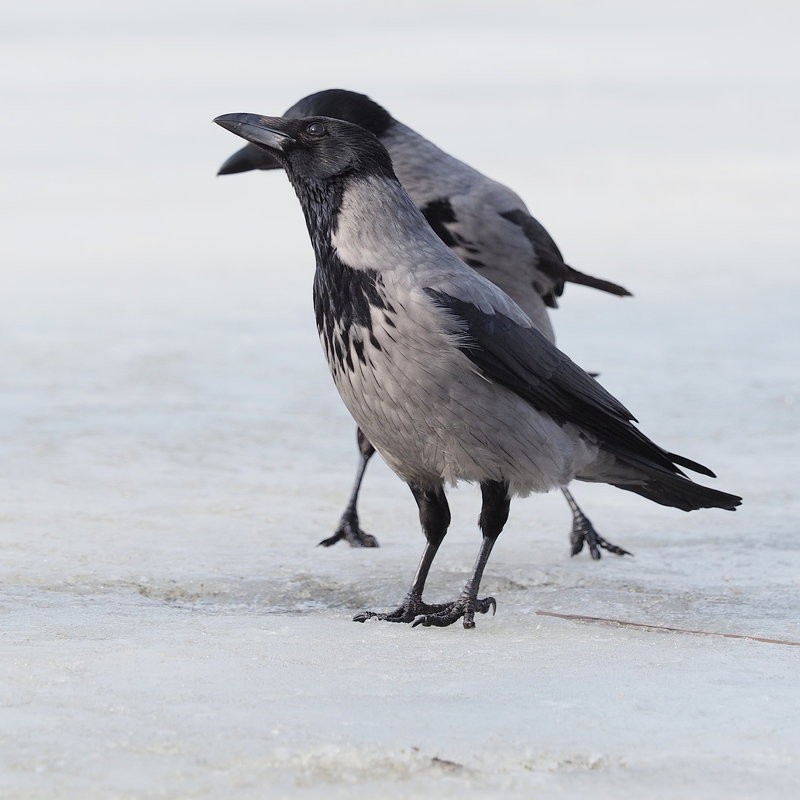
[
  {"x": 679, "y": 492},
  {"x": 575, "y": 276},
  {"x": 692, "y": 465}
]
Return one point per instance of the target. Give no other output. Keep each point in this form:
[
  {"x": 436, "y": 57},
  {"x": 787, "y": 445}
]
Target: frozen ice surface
[{"x": 173, "y": 447}]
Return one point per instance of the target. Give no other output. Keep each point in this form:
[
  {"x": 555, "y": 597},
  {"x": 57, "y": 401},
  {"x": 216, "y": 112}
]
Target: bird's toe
[
  {"x": 351, "y": 532},
  {"x": 411, "y": 608},
  {"x": 584, "y": 533},
  {"x": 463, "y": 608}
]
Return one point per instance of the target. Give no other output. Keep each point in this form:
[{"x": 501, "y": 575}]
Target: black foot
[
  {"x": 350, "y": 531},
  {"x": 409, "y": 609},
  {"x": 451, "y": 612},
  {"x": 583, "y": 532}
]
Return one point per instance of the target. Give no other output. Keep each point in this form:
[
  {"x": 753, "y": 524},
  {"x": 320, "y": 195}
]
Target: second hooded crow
[
  {"x": 443, "y": 372},
  {"x": 484, "y": 222}
]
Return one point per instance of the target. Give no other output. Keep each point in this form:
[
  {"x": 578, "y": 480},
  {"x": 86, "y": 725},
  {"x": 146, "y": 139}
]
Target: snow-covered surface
[{"x": 173, "y": 447}]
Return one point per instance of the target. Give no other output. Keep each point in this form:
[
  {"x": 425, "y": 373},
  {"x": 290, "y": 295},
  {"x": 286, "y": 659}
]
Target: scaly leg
[
  {"x": 349, "y": 529},
  {"x": 434, "y": 517},
  {"x": 583, "y": 532},
  {"x": 494, "y": 513}
]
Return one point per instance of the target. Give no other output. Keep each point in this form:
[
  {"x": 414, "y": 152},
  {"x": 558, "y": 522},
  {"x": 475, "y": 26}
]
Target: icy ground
[{"x": 173, "y": 448}]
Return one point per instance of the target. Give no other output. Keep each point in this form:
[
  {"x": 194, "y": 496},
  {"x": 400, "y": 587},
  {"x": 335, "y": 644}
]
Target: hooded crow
[
  {"x": 485, "y": 224},
  {"x": 443, "y": 372}
]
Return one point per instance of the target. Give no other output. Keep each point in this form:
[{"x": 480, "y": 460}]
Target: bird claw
[
  {"x": 583, "y": 532},
  {"x": 351, "y": 532},
  {"x": 451, "y": 612},
  {"x": 408, "y": 610}
]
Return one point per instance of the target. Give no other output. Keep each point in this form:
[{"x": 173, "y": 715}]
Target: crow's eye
[{"x": 315, "y": 129}]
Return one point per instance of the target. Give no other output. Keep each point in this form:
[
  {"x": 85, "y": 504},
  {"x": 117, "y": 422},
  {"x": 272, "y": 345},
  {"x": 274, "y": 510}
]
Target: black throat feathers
[{"x": 344, "y": 297}]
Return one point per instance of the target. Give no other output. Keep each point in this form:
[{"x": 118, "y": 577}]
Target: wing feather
[{"x": 524, "y": 361}]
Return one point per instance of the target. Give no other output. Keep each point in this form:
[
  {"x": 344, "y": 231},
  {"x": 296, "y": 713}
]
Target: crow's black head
[
  {"x": 341, "y": 104},
  {"x": 334, "y": 103},
  {"x": 312, "y": 149}
]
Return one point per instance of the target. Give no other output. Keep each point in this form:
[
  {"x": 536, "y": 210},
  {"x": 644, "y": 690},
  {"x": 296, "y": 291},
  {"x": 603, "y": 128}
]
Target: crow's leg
[
  {"x": 494, "y": 513},
  {"x": 434, "y": 516},
  {"x": 349, "y": 528},
  {"x": 583, "y": 532}
]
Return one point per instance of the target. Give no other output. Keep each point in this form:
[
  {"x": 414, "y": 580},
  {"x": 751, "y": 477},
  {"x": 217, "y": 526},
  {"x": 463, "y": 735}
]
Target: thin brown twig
[{"x": 581, "y": 618}]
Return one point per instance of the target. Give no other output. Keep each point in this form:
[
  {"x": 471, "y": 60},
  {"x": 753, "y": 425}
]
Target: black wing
[
  {"x": 524, "y": 361},
  {"x": 551, "y": 262},
  {"x": 548, "y": 257}
]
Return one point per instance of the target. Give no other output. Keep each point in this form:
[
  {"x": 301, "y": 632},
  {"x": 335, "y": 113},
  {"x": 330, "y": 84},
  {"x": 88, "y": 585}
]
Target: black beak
[
  {"x": 249, "y": 157},
  {"x": 269, "y": 139}
]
